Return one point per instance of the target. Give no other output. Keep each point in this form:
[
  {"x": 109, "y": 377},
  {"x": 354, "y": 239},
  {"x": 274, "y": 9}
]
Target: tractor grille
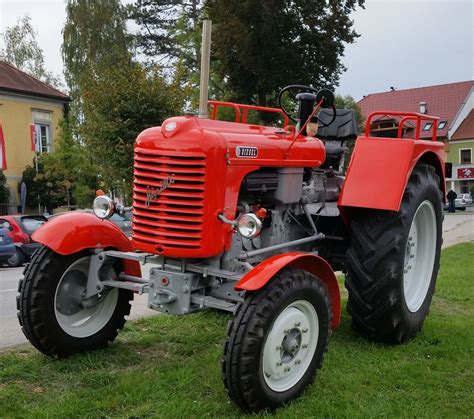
[{"x": 173, "y": 217}]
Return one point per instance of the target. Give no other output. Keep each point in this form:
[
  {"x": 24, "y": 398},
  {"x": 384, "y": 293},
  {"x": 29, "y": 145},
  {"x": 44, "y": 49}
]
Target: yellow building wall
[{"x": 16, "y": 116}]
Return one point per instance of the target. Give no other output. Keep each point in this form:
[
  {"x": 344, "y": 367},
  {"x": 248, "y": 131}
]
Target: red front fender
[
  {"x": 266, "y": 270},
  {"x": 72, "y": 232}
]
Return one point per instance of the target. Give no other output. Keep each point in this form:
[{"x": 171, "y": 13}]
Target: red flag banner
[
  {"x": 3, "y": 152},
  {"x": 32, "y": 137}
]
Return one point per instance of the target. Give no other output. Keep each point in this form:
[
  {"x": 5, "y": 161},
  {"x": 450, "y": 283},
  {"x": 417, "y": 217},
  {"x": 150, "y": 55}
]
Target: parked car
[
  {"x": 21, "y": 228},
  {"x": 463, "y": 201},
  {"x": 7, "y": 246},
  {"x": 124, "y": 222}
]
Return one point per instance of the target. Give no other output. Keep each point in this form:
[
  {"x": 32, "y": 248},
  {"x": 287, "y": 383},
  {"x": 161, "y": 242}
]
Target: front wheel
[
  {"x": 277, "y": 341},
  {"x": 52, "y": 312}
]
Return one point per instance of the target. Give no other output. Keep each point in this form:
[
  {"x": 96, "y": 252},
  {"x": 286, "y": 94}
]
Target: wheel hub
[
  {"x": 69, "y": 294},
  {"x": 420, "y": 254},
  {"x": 76, "y": 315},
  {"x": 290, "y": 345}
]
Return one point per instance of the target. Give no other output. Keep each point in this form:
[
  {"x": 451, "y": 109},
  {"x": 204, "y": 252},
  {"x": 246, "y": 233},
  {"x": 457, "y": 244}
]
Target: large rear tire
[
  {"x": 393, "y": 261},
  {"x": 52, "y": 313},
  {"x": 277, "y": 341}
]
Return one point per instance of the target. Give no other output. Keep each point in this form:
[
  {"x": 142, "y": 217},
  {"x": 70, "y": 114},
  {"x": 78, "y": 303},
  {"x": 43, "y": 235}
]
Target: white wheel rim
[
  {"x": 419, "y": 256},
  {"x": 290, "y": 346},
  {"x": 83, "y": 322}
]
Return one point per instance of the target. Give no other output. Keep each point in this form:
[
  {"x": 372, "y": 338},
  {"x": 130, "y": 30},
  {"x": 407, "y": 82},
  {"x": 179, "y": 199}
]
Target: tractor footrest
[
  {"x": 212, "y": 302},
  {"x": 127, "y": 285}
]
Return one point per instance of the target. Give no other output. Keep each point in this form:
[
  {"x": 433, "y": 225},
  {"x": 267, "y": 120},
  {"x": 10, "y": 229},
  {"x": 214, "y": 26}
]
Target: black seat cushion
[{"x": 344, "y": 127}]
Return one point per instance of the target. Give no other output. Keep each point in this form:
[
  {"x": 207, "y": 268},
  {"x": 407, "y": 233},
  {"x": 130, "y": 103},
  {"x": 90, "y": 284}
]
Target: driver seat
[{"x": 334, "y": 136}]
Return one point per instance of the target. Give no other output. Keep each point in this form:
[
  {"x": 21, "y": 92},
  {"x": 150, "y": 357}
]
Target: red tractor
[{"x": 253, "y": 220}]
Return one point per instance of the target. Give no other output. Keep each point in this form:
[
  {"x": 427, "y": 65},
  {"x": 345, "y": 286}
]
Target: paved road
[{"x": 457, "y": 228}]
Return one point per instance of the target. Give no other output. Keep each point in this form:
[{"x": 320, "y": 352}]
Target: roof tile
[
  {"x": 13, "y": 79},
  {"x": 442, "y": 100}
]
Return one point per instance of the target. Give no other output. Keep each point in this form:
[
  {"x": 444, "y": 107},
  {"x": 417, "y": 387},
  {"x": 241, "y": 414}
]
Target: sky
[{"x": 403, "y": 43}]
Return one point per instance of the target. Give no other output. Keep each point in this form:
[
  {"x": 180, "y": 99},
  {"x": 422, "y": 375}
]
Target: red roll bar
[
  {"x": 242, "y": 116},
  {"x": 407, "y": 116}
]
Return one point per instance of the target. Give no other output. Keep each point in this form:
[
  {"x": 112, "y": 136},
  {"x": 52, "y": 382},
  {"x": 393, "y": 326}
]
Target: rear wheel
[
  {"x": 52, "y": 312},
  {"x": 277, "y": 341},
  {"x": 393, "y": 261}
]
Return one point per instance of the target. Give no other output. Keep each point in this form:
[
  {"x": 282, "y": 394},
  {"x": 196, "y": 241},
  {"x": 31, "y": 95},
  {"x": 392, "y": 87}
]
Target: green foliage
[
  {"x": 348, "y": 102},
  {"x": 119, "y": 103},
  {"x": 471, "y": 190},
  {"x": 40, "y": 189},
  {"x": 94, "y": 34},
  {"x": 169, "y": 31},
  {"x": 22, "y": 50},
  {"x": 262, "y": 46},
  {"x": 4, "y": 194},
  {"x": 168, "y": 366}
]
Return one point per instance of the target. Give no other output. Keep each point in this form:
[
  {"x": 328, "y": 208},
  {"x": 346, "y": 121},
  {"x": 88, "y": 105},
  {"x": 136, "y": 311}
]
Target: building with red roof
[
  {"x": 30, "y": 113},
  {"x": 453, "y": 103}
]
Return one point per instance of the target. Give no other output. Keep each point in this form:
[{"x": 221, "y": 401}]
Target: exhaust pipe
[{"x": 205, "y": 61}]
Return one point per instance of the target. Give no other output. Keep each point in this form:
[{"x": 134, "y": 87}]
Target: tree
[
  {"x": 22, "y": 50},
  {"x": 169, "y": 30},
  {"x": 348, "y": 102},
  {"x": 4, "y": 194},
  {"x": 263, "y": 45},
  {"x": 94, "y": 35},
  {"x": 118, "y": 104}
]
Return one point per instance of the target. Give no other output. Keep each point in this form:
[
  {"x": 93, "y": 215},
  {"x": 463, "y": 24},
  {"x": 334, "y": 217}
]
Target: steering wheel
[{"x": 293, "y": 90}]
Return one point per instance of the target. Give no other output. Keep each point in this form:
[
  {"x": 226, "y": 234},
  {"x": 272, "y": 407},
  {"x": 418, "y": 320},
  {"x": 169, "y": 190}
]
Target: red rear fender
[
  {"x": 380, "y": 169},
  {"x": 265, "y": 271},
  {"x": 72, "y": 232}
]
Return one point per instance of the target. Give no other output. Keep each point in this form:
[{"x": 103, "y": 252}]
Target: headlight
[
  {"x": 103, "y": 207},
  {"x": 249, "y": 225}
]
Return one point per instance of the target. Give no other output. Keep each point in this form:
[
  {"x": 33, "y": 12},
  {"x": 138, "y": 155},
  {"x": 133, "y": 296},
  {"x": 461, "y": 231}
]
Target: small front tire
[
  {"x": 52, "y": 313},
  {"x": 276, "y": 341}
]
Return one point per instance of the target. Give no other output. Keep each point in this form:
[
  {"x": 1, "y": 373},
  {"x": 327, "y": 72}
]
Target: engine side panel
[
  {"x": 380, "y": 168},
  {"x": 190, "y": 170}
]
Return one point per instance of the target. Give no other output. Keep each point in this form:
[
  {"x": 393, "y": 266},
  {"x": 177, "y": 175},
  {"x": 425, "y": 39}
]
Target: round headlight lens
[
  {"x": 249, "y": 225},
  {"x": 103, "y": 207}
]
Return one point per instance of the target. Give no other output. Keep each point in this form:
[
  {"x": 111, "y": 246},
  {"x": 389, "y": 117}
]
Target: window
[
  {"x": 43, "y": 138},
  {"x": 5, "y": 224},
  {"x": 464, "y": 186},
  {"x": 441, "y": 124},
  {"x": 427, "y": 126},
  {"x": 465, "y": 156}
]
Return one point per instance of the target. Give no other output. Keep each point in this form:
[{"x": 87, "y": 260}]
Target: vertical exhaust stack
[{"x": 205, "y": 61}]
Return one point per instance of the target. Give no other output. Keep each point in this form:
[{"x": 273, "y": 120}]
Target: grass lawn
[{"x": 169, "y": 367}]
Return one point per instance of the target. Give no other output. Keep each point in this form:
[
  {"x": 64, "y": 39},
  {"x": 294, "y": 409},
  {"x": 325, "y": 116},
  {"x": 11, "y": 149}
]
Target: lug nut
[
  {"x": 287, "y": 369},
  {"x": 297, "y": 324},
  {"x": 278, "y": 348},
  {"x": 304, "y": 330},
  {"x": 278, "y": 364},
  {"x": 304, "y": 345},
  {"x": 286, "y": 331},
  {"x": 298, "y": 361}
]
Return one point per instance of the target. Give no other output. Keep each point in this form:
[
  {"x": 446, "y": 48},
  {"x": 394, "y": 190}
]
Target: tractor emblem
[
  {"x": 152, "y": 193},
  {"x": 247, "y": 152}
]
